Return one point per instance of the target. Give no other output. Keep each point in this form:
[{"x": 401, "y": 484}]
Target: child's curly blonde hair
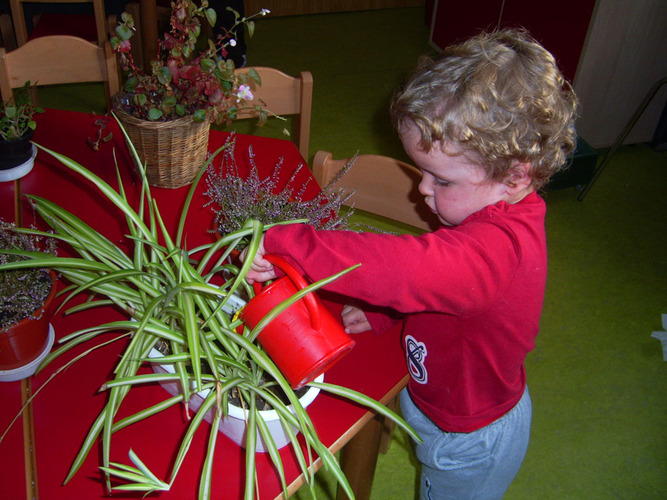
[{"x": 498, "y": 96}]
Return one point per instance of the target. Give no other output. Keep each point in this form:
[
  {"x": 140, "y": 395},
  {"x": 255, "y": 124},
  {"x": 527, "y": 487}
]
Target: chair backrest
[
  {"x": 285, "y": 95},
  {"x": 382, "y": 185},
  {"x": 58, "y": 59},
  {"x": 20, "y": 28}
]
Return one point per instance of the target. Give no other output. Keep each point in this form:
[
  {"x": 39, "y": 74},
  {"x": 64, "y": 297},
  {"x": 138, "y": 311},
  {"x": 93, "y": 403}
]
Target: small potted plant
[
  {"x": 188, "y": 86},
  {"x": 25, "y": 298},
  {"x": 184, "y": 298},
  {"x": 236, "y": 199},
  {"x": 17, "y": 125}
]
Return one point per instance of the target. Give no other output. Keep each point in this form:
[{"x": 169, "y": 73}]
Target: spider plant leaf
[
  {"x": 145, "y": 470},
  {"x": 206, "y": 478},
  {"x": 88, "y": 442},
  {"x": 192, "y": 335},
  {"x": 196, "y": 421},
  {"x": 191, "y": 192},
  {"x": 146, "y": 378},
  {"x": 78, "y": 231},
  {"x": 250, "y": 445},
  {"x": 368, "y": 402},
  {"x": 108, "y": 192},
  {"x": 69, "y": 345},
  {"x": 140, "y": 478},
  {"x": 143, "y": 414}
]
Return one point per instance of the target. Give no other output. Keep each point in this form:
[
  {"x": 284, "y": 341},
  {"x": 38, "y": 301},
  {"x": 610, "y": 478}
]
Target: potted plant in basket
[
  {"x": 170, "y": 296},
  {"x": 25, "y": 297},
  {"x": 167, "y": 109},
  {"x": 17, "y": 125}
]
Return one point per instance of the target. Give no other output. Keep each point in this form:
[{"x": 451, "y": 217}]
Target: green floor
[{"x": 597, "y": 378}]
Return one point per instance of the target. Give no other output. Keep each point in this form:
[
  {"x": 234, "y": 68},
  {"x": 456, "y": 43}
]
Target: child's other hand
[
  {"x": 261, "y": 270},
  {"x": 354, "y": 319}
]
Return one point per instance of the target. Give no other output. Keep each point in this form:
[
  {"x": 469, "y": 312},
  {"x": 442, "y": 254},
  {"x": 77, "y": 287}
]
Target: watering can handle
[{"x": 300, "y": 284}]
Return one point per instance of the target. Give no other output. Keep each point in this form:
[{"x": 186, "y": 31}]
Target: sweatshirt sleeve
[{"x": 456, "y": 270}]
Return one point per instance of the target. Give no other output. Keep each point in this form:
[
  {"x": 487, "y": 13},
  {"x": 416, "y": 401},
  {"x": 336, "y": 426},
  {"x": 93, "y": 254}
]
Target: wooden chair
[
  {"x": 80, "y": 25},
  {"x": 7, "y": 32},
  {"x": 383, "y": 185},
  {"x": 58, "y": 59},
  {"x": 153, "y": 24},
  {"x": 285, "y": 95}
]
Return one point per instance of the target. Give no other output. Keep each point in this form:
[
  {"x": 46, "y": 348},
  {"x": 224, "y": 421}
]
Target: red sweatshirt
[{"x": 471, "y": 296}]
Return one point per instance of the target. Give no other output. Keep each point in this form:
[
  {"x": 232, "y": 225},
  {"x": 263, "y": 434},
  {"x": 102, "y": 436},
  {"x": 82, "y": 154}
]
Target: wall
[{"x": 624, "y": 56}]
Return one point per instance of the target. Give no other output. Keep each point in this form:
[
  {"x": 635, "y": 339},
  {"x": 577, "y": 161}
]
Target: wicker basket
[{"x": 172, "y": 151}]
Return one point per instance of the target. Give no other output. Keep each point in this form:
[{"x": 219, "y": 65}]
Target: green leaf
[
  {"x": 211, "y": 16},
  {"x": 199, "y": 115},
  {"x": 164, "y": 75},
  {"x": 140, "y": 99},
  {"x": 154, "y": 114},
  {"x": 130, "y": 84},
  {"x": 124, "y": 32},
  {"x": 236, "y": 14},
  {"x": 207, "y": 64},
  {"x": 254, "y": 75}
]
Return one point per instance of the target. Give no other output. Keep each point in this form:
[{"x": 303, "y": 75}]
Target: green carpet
[{"x": 597, "y": 378}]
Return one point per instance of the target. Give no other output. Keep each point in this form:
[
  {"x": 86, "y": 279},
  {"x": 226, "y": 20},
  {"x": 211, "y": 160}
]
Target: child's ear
[{"x": 518, "y": 177}]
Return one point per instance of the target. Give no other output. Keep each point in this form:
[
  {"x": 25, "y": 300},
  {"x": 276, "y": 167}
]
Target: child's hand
[
  {"x": 261, "y": 270},
  {"x": 354, "y": 319}
]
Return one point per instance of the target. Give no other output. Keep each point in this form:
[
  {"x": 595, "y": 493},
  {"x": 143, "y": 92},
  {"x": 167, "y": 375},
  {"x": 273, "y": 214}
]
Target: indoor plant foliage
[
  {"x": 171, "y": 294},
  {"x": 239, "y": 199},
  {"x": 17, "y": 117},
  {"x": 16, "y": 127},
  {"x": 22, "y": 291},
  {"x": 190, "y": 76}
]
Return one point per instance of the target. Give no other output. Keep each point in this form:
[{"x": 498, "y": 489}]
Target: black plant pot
[{"x": 16, "y": 152}]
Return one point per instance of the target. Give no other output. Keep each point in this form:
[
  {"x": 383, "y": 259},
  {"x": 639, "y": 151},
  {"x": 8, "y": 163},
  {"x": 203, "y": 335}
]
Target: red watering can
[{"x": 305, "y": 339}]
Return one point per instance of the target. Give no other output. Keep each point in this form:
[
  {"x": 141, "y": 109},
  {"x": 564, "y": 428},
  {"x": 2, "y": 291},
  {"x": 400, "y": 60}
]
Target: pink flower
[
  {"x": 124, "y": 46},
  {"x": 244, "y": 93}
]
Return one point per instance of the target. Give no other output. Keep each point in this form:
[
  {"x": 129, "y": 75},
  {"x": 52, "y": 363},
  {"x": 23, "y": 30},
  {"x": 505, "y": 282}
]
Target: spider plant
[{"x": 167, "y": 293}]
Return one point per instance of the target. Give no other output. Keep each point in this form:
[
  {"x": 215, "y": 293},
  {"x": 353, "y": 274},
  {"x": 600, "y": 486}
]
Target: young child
[{"x": 487, "y": 122}]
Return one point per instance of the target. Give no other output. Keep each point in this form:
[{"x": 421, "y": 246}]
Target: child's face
[{"x": 452, "y": 185}]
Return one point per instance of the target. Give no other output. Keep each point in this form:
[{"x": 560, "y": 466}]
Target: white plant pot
[
  {"x": 19, "y": 171},
  {"x": 234, "y": 425}
]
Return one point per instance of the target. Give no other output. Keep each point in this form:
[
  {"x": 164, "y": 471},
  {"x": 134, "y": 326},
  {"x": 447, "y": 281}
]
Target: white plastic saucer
[
  {"x": 26, "y": 371},
  {"x": 19, "y": 171}
]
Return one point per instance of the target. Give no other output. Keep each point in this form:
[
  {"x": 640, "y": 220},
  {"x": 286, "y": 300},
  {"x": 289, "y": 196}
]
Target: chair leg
[{"x": 388, "y": 427}]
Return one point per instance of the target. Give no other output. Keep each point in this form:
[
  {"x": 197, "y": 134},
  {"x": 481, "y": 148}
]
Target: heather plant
[
  {"x": 22, "y": 291},
  {"x": 239, "y": 199}
]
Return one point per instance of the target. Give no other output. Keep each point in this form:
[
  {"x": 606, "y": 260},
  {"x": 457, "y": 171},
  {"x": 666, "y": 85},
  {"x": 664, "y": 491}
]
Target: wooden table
[{"x": 66, "y": 406}]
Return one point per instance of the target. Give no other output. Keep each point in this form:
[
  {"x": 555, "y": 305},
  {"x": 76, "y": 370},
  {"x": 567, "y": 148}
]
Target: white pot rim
[
  {"x": 238, "y": 412},
  {"x": 21, "y": 170},
  {"x": 29, "y": 369}
]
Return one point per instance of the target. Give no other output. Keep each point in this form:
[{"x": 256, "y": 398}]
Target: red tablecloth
[{"x": 65, "y": 408}]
